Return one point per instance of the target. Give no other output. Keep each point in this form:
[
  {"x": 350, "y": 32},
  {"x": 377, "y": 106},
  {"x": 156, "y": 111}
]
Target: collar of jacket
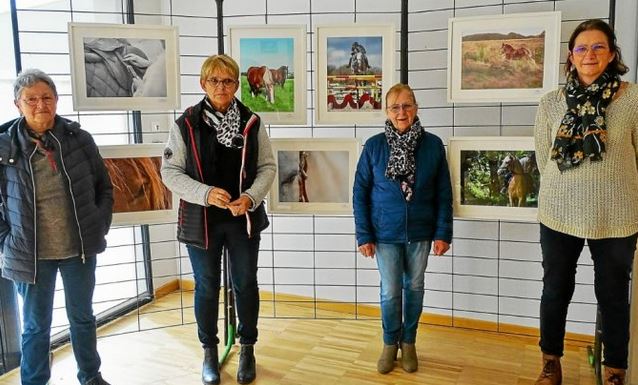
[{"x": 11, "y": 145}]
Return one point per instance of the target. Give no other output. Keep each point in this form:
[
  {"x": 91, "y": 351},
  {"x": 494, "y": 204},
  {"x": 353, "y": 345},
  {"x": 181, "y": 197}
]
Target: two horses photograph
[
  {"x": 499, "y": 178},
  {"x": 267, "y": 81},
  {"x": 354, "y": 73}
]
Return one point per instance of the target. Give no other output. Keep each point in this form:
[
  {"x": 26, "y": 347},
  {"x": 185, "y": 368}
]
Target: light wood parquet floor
[{"x": 313, "y": 352}]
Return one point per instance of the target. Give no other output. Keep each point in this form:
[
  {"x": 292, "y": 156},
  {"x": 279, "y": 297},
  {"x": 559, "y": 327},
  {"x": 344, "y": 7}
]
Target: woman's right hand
[
  {"x": 218, "y": 197},
  {"x": 367, "y": 250}
]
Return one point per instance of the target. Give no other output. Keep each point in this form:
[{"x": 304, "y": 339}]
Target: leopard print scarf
[
  {"x": 582, "y": 132},
  {"x": 402, "y": 164},
  {"x": 227, "y": 125}
]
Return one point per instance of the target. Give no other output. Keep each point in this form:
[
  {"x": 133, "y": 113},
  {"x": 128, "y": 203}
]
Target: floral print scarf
[{"x": 583, "y": 132}]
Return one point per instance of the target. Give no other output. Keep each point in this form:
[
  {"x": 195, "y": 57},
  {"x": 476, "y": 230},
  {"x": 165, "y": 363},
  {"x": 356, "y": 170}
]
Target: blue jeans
[
  {"x": 79, "y": 281},
  {"x": 243, "y": 253},
  {"x": 613, "y": 258},
  {"x": 401, "y": 267}
]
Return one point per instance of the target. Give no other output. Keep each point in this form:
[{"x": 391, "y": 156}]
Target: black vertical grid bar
[
  {"x": 612, "y": 13},
  {"x": 138, "y": 137},
  {"x": 16, "y": 36},
  {"x": 220, "y": 26},
  {"x": 404, "y": 41}
]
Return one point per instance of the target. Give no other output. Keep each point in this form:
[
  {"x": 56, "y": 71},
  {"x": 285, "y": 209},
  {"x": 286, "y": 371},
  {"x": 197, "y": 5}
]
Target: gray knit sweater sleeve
[
  {"x": 266, "y": 169},
  {"x": 174, "y": 171}
]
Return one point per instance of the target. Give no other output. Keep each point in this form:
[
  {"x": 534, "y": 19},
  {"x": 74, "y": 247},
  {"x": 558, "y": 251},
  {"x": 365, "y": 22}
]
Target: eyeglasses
[
  {"x": 34, "y": 100},
  {"x": 226, "y": 83},
  {"x": 396, "y": 108},
  {"x": 597, "y": 49}
]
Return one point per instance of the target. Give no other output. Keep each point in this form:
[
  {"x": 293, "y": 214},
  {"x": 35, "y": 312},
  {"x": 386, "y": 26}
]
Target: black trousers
[{"x": 613, "y": 258}]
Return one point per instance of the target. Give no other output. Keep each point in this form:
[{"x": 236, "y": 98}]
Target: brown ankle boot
[
  {"x": 409, "y": 360},
  {"x": 386, "y": 361},
  {"x": 614, "y": 376},
  {"x": 552, "y": 373}
]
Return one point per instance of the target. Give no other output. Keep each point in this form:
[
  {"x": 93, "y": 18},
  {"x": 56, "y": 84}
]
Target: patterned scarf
[
  {"x": 401, "y": 164},
  {"x": 227, "y": 125},
  {"x": 583, "y": 132}
]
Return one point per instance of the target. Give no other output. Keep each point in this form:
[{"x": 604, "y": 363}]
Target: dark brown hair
[{"x": 598, "y": 25}]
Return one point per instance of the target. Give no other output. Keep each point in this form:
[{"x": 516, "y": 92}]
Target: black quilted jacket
[{"x": 88, "y": 182}]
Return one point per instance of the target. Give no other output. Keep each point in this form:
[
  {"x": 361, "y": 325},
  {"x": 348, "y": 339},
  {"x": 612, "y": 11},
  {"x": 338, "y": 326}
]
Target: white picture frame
[
  {"x": 282, "y": 49},
  {"x": 314, "y": 175},
  {"x": 124, "y": 67},
  {"x": 138, "y": 202},
  {"x": 349, "y": 94},
  {"x": 503, "y": 58},
  {"x": 480, "y": 180}
]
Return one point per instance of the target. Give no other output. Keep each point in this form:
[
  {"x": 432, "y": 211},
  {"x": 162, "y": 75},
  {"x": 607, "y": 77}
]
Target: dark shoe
[
  {"x": 552, "y": 373},
  {"x": 386, "y": 361},
  {"x": 614, "y": 376},
  {"x": 246, "y": 368},
  {"x": 210, "y": 367},
  {"x": 409, "y": 360},
  {"x": 97, "y": 380}
]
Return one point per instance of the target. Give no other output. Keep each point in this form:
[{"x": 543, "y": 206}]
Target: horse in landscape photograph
[
  {"x": 358, "y": 62},
  {"x": 260, "y": 80},
  {"x": 518, "y": 182},
  {"x": 521, "y": 53},
  {"x": 279, "y": 75}
]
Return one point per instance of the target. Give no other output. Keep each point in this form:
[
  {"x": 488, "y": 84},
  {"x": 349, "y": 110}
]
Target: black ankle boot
[
  {"x": 210, "y": 367},
  {"x": 246, "y": 369}
]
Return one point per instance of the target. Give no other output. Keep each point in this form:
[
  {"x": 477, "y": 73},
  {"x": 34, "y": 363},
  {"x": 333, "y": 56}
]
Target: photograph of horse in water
[
  {"x": 267, "y": 74},
  {"x": 499, "y": 178},
  {"x": 354, "y": 73}
]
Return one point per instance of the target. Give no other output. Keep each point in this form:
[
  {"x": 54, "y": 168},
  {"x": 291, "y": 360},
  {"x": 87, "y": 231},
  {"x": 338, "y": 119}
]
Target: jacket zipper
[
  {"x": 35, "y": 227},
  {"x": 75, "y": 210}
]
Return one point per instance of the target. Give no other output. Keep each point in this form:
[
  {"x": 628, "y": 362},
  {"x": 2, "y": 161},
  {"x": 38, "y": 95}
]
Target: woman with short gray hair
[{"x": 53, "y": 183}]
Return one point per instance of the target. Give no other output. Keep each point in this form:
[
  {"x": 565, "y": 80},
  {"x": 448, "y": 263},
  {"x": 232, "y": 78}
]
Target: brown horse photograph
[
  {"x": 499, "y": 178},
  {"x": 137, "y": 184}
]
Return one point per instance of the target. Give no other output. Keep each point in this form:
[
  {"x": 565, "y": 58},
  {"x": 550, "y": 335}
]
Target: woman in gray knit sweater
[{"x": 586, "y": 137}]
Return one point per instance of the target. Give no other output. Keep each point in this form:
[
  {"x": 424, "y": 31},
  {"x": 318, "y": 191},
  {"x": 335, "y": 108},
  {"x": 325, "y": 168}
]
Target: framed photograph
[
  {"x": 503, "y": 58},
  {"x": 494, "y": 177},
  {"x": 124, "y": 67},
  {"x": 272, "y": 66},
  {"x": 139, "y": 195},
  {"x": 314, "y": 176},
  {"x": 355, "y": 68}
]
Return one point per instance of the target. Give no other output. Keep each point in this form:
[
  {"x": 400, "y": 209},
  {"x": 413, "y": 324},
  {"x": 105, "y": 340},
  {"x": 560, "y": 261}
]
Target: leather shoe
[
  {"x": 210, "y": 367},
  {"x": 246, "y": 368},
  {"x": 97, "y": 380}
]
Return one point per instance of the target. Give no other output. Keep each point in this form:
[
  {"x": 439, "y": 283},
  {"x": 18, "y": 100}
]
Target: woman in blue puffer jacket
[{"x": 402, "y": 207}]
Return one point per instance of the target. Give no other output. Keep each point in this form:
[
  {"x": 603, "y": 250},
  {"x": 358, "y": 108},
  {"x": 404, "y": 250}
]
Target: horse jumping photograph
[{"x": 354, "y": 73}]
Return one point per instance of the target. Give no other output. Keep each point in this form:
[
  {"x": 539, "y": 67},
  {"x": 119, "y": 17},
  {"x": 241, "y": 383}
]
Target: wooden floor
[{"x": 317, "y": 352}]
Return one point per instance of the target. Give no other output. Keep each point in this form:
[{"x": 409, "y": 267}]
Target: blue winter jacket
[
  {"x": 89, "y": 184},
  {"x": 381, "y": 212}
]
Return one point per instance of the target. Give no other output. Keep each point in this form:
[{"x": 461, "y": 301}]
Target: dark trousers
[
  {"x": 613, "y": 258},
  {"x": 243, "y": 253}
]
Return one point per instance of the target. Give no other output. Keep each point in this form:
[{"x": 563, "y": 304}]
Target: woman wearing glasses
[
  {"x": 402, "y": 208},
  {"x": 586, "y": 147},
  {"x": 219, "y": 161},
  {"x": 56, "y": 202}
]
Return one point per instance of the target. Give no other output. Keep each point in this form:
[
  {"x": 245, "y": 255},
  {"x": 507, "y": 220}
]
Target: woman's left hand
[
  {"x": 239, "y": 206},
  {"x": 440, "y": 247}
]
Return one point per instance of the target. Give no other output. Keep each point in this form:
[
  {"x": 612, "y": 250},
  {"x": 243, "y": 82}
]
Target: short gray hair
[{"x": 28, "y": 78}]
